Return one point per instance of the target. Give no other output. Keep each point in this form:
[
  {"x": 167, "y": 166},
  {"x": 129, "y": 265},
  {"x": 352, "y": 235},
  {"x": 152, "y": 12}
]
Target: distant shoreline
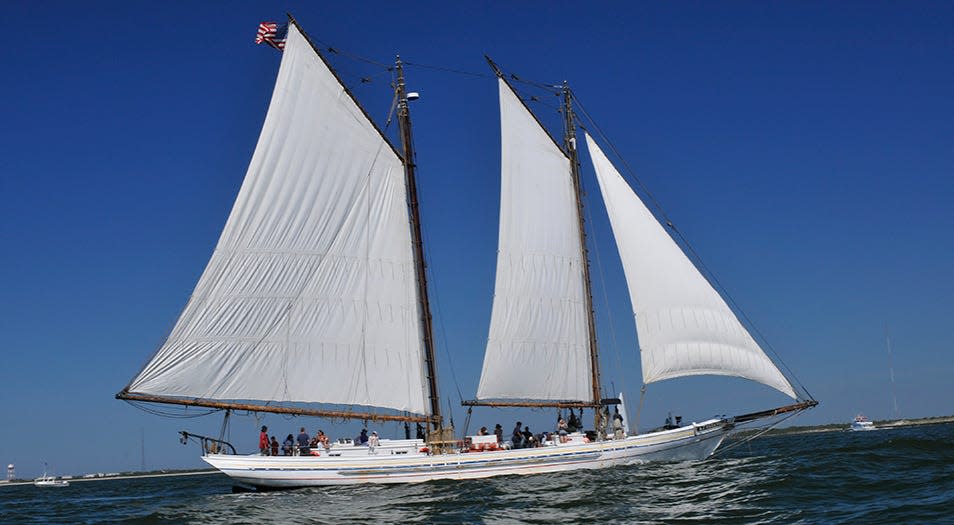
[
  {"x": 842, "y": 427},
  {"x": 125, "y": 475}
]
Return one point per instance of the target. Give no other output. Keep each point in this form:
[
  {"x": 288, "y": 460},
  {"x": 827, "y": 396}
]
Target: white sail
[
  {"x": 310, "y": 295},
  {"x": 538, "y": 343},
  {"x": 685, "y": 327}
]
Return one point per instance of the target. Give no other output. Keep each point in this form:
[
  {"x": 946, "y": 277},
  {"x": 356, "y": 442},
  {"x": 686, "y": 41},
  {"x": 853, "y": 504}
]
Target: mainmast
[
  {"x": 404, "y": 123},
  {"x": 569, "y": 146}
]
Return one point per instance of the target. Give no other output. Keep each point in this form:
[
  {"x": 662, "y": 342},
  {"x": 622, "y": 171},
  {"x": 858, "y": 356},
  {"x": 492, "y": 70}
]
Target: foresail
[
  {"x": 685, "y": 328},
  {"x": 310, "y": 295},
  {"x": 538, "y": 343}
]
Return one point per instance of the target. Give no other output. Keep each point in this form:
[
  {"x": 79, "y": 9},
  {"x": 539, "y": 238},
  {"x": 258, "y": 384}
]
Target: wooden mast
[
  {"x": 404, "y": 123},
  {"x": 569, "y": 145}
]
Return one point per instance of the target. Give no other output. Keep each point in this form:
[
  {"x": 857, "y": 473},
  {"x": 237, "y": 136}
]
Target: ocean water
[{"x": 885, "y": 476}]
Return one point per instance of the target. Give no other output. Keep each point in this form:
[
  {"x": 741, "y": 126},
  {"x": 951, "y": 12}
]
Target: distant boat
[
  {"x": 48, "y": 480},
  {"x": 861, "y": 423},
  {"x": 317, "y": 294}
]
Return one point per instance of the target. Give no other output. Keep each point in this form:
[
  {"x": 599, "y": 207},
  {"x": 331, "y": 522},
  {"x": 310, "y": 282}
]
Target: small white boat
[
  {"x": 47, "y": 480},
  {"x": 861, "y": 423}
]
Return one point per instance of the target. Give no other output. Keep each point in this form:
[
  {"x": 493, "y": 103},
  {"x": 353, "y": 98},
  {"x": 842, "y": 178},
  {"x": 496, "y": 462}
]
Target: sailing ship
[{"x": 315, "y": 301}]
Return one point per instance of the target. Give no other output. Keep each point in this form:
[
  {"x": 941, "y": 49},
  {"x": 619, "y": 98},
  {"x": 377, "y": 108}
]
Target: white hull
[
  {"x": 861, "y": 424},
  {"x": 49, "y": 482},
  {"x": 694, "y": 442}
]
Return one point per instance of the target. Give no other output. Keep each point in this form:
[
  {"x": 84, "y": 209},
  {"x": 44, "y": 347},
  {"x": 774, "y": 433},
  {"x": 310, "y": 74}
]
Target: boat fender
[
  {"x": 315, "y": 453},
  {"x": 424, "y": 449}
]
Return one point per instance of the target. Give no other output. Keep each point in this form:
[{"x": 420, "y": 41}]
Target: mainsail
[
  {"x": 685, "y": 328},
  {"x": 538, "y": 347},
  {"x": 311, "y": 294}
]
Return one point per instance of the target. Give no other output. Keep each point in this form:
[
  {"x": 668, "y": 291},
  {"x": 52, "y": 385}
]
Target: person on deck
[
  {"x": 362, "y": 437},
  {"x": 274, "y": 446},
  {"x": 618, "y": 424},
  {"x": 528, "y": 439},
  {"x": 288, "y": 444},
  {"x": 420, "y": 432},
  {"x": 562, "y": 430},
  {"x": 373, "y": 441},
  {"x": 263, "y": 446},
  {"x": 573, "y": 424},
  {"x": 483, "y": 432},
  {"x": 303, "y": 443},
  {"x": 498, "y": 431},
  {"x": 323, "y": 440},
  {"x": 517, "y": 436}
]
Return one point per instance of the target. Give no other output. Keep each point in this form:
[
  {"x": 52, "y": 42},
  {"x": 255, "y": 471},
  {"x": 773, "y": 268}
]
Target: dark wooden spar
[
  {"x": 752, "y": 416},
  {"x": 569, "y": 143},
  {"x": 404, "y": 122}
]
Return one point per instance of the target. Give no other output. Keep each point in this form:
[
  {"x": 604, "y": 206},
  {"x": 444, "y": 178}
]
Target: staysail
[
  {"x": 685, "y": 328},
  {"x": 538, "y": 347},
  {"x": 311, "y": 294}
]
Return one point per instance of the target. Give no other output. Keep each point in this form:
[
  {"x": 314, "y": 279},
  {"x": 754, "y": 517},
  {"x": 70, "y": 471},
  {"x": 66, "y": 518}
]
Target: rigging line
[
  {"x": 450, "y": 70},
  {"x": 393, "y": 109},
  {"x": 353, "y": 56},
  {"x": 150, "y": 410},
  {"x": 758, "y": 434},
  {"x": 538, "y": 101},
  {"x": 606, "y": 304},
  {"x": 430, "y": 270},
  {"x": 556, "y": 89},
  {"x": 362, "y": 79},
  {"x": 689, "y": 246},
  {"x": 440, "y": 315},
  {"x": 552, "y": 88}
]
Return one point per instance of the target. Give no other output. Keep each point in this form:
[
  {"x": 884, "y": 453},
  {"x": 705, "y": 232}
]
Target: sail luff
[{"x": 684, "y": 326}]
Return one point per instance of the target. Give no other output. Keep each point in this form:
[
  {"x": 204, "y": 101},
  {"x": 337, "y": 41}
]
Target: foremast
[
  {"x": 407, "y": 143},
  {"x": 569, "y": 145}
]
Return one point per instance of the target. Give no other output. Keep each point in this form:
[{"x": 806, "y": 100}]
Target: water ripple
[{"x": 890, "y": 476}]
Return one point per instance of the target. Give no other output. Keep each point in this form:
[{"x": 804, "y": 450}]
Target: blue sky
[{"x": 805, "y": 149}]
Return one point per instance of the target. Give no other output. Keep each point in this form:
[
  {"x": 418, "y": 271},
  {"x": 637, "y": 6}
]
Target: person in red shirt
[{"x": 263, "y": 444}]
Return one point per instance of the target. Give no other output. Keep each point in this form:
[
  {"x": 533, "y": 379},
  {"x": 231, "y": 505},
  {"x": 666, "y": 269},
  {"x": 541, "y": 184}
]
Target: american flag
[{"x": 273, "y": 34}]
